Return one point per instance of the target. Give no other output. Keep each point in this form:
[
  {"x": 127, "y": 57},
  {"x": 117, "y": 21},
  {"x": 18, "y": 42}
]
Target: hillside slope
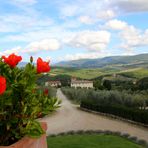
[{"x": 126, "y": 61}]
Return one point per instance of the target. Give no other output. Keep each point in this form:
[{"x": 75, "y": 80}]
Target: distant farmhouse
[
  {"x": 53, "y": 83},
  {"x": 81, "y": 83}
]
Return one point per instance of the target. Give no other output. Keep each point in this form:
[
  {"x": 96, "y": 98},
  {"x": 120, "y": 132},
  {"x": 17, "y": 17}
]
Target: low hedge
[
  {"x": 133, "y": 114},
  {"x": 124, "y": 98}
]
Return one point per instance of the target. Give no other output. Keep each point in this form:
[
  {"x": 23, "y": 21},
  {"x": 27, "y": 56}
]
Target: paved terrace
[{"x": 68, "y": 118}]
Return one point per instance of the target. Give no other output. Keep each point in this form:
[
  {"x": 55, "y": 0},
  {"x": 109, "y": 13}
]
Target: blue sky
[{"x": 68, "y": 30}]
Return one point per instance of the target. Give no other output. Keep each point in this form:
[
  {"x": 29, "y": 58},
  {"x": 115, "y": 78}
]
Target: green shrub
[
  {"x": 142, "y": 84},
  {"x": 118, "y": 110},
  {"x": 107, "y": 84},
  {"x": 114, "y": 97},
  {"x": 121, "y": 103}
]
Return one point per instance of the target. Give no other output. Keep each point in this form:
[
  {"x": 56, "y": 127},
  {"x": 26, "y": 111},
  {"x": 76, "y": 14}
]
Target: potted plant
[{"x": 21, "y": 102}]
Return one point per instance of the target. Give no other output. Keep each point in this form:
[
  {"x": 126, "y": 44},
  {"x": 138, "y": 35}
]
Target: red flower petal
[
  {"x": 2, "y": 85},
  {"x": 12, "y": 60},
  {"x": 42, "y": 66},
  {"x": 46, "y": 92}
]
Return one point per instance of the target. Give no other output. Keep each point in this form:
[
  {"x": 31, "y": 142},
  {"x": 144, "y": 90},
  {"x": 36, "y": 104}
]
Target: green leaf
[{"x": 34, "y": 129}]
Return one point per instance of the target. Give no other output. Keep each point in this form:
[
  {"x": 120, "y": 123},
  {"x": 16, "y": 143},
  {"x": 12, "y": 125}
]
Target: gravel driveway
[{"x": 68, "y": 118}]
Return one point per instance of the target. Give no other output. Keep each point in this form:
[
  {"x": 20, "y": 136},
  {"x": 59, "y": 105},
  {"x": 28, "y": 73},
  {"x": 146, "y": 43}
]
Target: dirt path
[{"x": 68, "y": 117}]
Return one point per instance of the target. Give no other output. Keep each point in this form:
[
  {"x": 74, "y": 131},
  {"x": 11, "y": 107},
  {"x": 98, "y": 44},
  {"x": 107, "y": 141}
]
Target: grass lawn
[{"x": 90, "y": 141}]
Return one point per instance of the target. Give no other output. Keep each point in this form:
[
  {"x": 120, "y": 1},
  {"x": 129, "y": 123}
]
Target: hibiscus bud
[{"x": 31, "y": 59}]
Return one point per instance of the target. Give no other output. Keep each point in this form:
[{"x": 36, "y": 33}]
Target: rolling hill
[
  {"x": 127, "y": 66},
  {"x": 92, "y": 73},
  {"x": 117, "y": 61}
]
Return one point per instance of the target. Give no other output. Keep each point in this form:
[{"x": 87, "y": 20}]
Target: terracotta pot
[{"x": 28, "y": 142}]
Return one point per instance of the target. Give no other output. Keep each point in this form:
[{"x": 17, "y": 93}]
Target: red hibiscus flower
[
  {"x": 2, "y": 85},
  {"x": 42, "y": 66},
  {"x": 46, "y": 92},
  {"x": 12, "y": 60}
]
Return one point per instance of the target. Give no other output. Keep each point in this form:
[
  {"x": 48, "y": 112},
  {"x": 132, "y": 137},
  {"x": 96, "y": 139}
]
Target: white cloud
[
  {"x": 92, "y": 55},
  {"x": 145, "y": 37},
  {"x": 97, "y": 16},
  {"x": 133, "y": 38},
  {"x": 116, "y": 24},
  {"x": 91, "y": 40},
  {"x": 105, "y": 15},
  {"x": 35, "y": 47},
  {"x": 15, "y": 50},
  {"x": 87, "y": 11},
  {"x": 43, "y": 45},
  {"x": 130, "y": 36},
  {"x": 130, "y": 5},
  {"x": 85, "y": 19},
  {"x": 103, "y": 10},
  {"x": 70, "y": 24},
  {"x": 69, "y": 10}
]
